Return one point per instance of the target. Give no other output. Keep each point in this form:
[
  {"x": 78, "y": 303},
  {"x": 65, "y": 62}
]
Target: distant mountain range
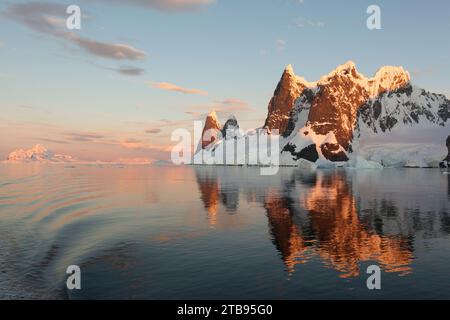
[
  {"x": 40, "y": 154},
  {"x": 347, "y": 119}
]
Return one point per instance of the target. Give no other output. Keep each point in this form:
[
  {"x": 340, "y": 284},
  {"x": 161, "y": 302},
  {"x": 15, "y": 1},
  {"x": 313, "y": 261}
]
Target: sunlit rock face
[
  {"x": 211, "y": 130},
  {"x": 289, "y": 88},
  {"x": 340, "y": 95}
]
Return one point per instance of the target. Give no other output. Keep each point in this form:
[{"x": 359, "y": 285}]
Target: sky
[{"x": 138, "y": 69}]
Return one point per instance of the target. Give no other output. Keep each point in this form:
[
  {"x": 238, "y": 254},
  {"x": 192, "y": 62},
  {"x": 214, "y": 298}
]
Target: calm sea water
[{"x": 210, "y": 233}]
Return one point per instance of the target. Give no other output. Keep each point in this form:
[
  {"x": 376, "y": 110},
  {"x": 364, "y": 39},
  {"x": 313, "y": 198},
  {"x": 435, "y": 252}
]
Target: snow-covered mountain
[
  {"x": 407, "y": 127},
  {"x": 351, "y": 119},
  {"x": 38, "y": 154}
]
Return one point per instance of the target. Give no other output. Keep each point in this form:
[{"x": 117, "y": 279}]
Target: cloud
[
  {"x": 135, "y": 144},
  {"x": 132, "y": 140},
  {"x": 223, "y": 107},
  {"x": 233, "y": 102},
  {"x": 49, "y": 18},
  {"x": 39, "y": 16},
  {"x": 280, "y": 44},
  {"x": 153, "y": 131},
  {"x": 167, "y": 5},
  {"x": 116, "y": 51},
  {"x": 172, "y": 87},
  {"x": 133, "y": 160},
  {"x": 25, "y": 107},
  {"x": 53, "y": 141},
  {"x": 129, "y": 71},
  {"x": 302, "y": 22},
  {"x": 84, "y": 137}
]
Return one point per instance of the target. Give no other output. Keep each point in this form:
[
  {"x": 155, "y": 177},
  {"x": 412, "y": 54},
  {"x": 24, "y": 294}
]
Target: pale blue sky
[{"x": 235, "y": 50}]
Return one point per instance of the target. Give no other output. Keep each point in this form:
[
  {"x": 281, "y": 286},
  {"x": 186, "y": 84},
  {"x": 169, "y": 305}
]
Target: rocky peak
[
  {"x": 340, "y": 94},
  {"x": 211, "y": 130},
  {"x": 388, "y": 79},
  {"x": 230, "y": 128},
  {"x": 347, "y": 70},
  {"x": 289, "y": 70},
  {"x": 289, "y": 88}
]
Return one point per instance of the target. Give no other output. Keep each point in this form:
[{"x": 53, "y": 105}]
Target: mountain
[
  {"x": 325, "y": 116},
  {"x": 213, "y": 131},
  {"x": 210, "y": 130},
  {"x": 288, "y": 90},
  {"x": 37, "y": 154},
  {"x": 355, "y": 120},
  {"x": 406, "y": 127},
  {"x": 230, "y": 128}
]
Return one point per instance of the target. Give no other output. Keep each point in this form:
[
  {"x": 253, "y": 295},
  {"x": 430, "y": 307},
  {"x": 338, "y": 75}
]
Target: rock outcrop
[
  {"x": 230, "y": 128},
  {"x": 289, "y": 88},
  {"x": 211, "y": 130}
]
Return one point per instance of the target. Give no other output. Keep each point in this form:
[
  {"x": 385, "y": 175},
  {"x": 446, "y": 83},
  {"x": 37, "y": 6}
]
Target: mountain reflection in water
[
  {"x": 320, "y": 214},
  {"x": 222, "y": 232}
]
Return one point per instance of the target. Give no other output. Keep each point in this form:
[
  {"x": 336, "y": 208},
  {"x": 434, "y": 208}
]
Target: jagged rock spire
[
  {"x": 211, "y": 130},
  {"x": 288, "y": 90}
]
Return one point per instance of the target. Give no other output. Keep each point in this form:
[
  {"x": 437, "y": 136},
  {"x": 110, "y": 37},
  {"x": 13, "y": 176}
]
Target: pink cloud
[
  {"x": 222, "y": 107},
  {"x": 153, "y": 131},
  {"x": 172, "y": 87},
  {"x": 167, "y": 5},
  {"x": 49, "y": 18}
]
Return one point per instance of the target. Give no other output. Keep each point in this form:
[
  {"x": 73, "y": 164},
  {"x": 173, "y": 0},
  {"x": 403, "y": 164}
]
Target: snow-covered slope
[
  {"x": 406, "y": 127},
  {"x": 37, "y": 154}
]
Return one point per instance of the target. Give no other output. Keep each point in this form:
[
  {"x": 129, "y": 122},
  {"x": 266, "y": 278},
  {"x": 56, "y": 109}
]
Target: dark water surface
[{"x": 209, "y": 233}]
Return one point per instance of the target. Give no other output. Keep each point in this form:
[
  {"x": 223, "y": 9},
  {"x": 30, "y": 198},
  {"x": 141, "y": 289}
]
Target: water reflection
[
  {"x": 203, "y": 232},
  {"x": 344, "y": 218},
  {"x": 343, "y": 240},
  {"x": 209, "y": 191},
  {"x": 448, "y": 184}
]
